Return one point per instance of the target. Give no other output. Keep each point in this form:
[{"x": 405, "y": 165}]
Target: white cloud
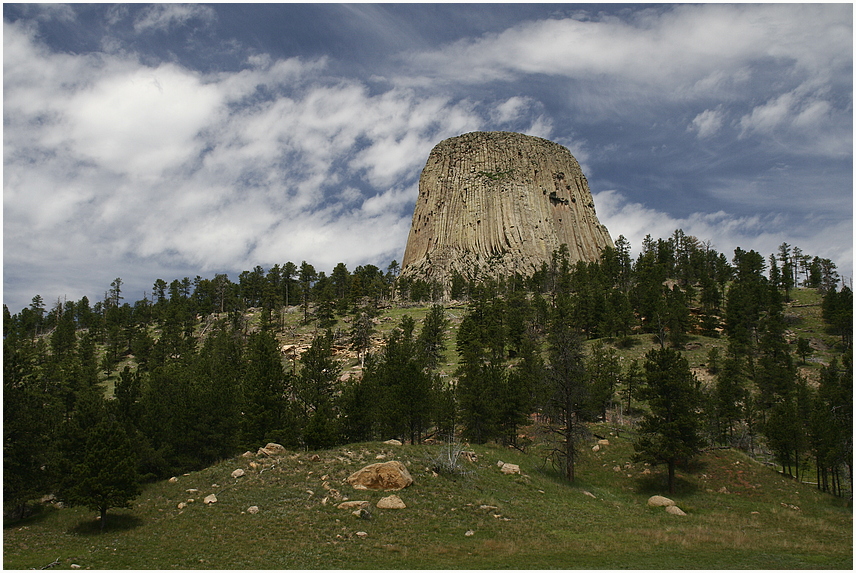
[
  {"x": 165, "y": 16},
  {"x": 109, "y": 159},
  {"x": 707, "y": 123}
]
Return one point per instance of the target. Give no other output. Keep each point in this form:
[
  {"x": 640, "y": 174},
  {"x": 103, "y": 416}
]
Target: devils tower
[{"x": 499, "y": 203}]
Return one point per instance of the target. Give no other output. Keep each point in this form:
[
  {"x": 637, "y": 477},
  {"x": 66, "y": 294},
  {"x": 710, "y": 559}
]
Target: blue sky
[{"x": 163, "y": 141}]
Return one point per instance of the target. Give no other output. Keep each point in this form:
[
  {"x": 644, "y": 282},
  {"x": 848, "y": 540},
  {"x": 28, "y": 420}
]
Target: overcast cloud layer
[{"x": 166, "y": 141}]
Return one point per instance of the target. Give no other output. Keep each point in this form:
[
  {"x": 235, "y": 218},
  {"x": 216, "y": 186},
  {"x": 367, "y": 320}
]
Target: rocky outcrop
[{"x": 500, "y": 203}]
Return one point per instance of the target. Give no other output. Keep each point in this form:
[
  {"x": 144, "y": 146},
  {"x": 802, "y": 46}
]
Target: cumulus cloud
[{"x": 162, "y": 164}]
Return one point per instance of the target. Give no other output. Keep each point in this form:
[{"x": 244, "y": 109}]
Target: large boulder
[
  {"x": 385, "y": 476},
  {"x": 271, "y": 449},
  {"x": 659, "y": 501}
]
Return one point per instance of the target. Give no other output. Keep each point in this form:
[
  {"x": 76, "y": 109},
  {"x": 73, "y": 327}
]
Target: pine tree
[
  {"x": 100, "y": 468},
  {"x": 670, "y": 432}
]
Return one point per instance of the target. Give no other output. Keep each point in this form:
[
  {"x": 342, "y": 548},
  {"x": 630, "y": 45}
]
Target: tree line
[{"x": 205, "y": 385}]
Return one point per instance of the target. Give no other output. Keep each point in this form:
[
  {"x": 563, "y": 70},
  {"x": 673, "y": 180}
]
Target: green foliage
[{"x": 670, "y": 433}]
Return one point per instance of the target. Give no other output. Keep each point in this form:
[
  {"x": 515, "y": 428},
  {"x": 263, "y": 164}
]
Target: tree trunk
[
  {"x": 103, "y": 517},
  {"x": 671, "y": 476}
]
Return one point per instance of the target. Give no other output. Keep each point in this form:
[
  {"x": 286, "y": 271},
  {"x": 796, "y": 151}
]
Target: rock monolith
[{"x": 499, "y": 203}]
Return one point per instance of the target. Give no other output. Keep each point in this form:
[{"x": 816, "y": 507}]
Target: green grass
[{"x": 535, "y": 521}]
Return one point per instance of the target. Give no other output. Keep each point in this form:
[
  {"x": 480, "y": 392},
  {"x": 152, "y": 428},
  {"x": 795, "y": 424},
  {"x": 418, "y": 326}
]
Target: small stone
[
  {"x": 182, "y": 505},
  {"x": 674, "y": 510},
  {"x": 191, "y": 500},
  {"x": 362, "y": 513},
  {"x": 253, "y": 509},
  {"x": 390, "y": 502},
  {"x": 173, "y": 479},
  {"x": 192, "y": 490},
  {"x": 353, "y": 505},
  {"x": 590, "y": 494},
  {"x": 362, "y": 534},
  {"x": 393, "y": 442},
  {"x": 238, "y": 473},
  {"x": 75, "y": 566},
  {"x": 603, "y": 442},
  {"x": 595, "y": 448},
  {"x": 470, "y": 533},
  {"x": 271, "y": 449},
  {"x": 510, "y": 469},
  {"x": 500, "y": 463},
  {"x": 247, "y": 454},
  {"x": 210, "y": 499},
  {"x": 380, "y": 457}
]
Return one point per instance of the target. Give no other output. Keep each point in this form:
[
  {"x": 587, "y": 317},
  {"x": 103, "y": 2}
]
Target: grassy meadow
[{"x": 740, "y": 514}]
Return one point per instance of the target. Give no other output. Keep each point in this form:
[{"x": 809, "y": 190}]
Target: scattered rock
[
  {"x": 361, "y": 534},
  {"x": 595, "y": 448},
  {"x": 646, "y": 472},
  {"x": 271, "y": 449},
  {"x": 392, "y": 475},
  {"x": 790, "y": 506},
  {"x": 510, "y": 469},
  {"x": 238, "y": 473},
  {"x": 603, "y": 442},
  {"x": 192, "y": 490},
  {"x": 362, "y": 513},
  {"x": 590, "y": 494},
  {"x": 470, "y": 533},
  {"x": 380, "y": 457},
  {"x": 182, "y": 505},
  {"x": 247, "y": 454},
  {"x": 210, "y": 499},
  {"x": 353, "y": 505},
  {"x": 616, "y": 469},
  {"x": 315, "y": 458},
  {"x": 75, "y": 566},
  {"x": 500, "y": 463},
  {"x": 723, "y": 489},
  {"x": 488, "y": 507},
  {"x": 393, "y": 442},
  {"x": 391, "y": 502},
  {"x": 659, "y": 501},
  {"x": 470, "y": 456},
  {"x": 253, "y": 509},
  {"x": 173, "y": 479},
  {"x": 674, "y": 510}
]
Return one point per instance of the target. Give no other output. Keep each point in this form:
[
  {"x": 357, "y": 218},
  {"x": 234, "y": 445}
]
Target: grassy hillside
[{"x": 740, "y": 514}]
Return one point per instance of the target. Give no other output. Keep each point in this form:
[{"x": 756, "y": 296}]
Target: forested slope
[{"x": 760, "y": 351}]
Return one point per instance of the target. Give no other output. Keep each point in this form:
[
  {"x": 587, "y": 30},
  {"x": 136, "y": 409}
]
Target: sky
[{"x": 162, "y": 141}]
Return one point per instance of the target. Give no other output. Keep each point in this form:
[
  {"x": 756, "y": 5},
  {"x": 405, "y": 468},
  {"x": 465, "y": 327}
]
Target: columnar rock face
[{"x": 499, "y": 202}]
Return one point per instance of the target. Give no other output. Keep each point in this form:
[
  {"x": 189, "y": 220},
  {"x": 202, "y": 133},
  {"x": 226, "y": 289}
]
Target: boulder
[
  {"x": 659, "y": 501},
  {"x": 173, "y": 479},
  {"x": 238, "y": 473},
  {"x": 253, "y": 509},
  {"x": 393, "y": 442},
  {"x": 510, "y": 469},
  {"x": 392, "y": 475},
  {"x": 271, "y": 449},
  {"x": 674, "y": 510},
  {"x": 390, "y": 502},
  {"x": 209, "y": 499}
]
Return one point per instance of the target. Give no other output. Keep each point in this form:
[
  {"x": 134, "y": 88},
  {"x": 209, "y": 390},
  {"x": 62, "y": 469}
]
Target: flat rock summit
[{"x": 499, "y": 203}]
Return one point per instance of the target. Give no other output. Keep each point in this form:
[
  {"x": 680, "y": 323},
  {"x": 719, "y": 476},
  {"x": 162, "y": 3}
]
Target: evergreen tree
[
  {"x": 100, "y": 466},
  {"x": 313, "y": 391},
  {"x": 670, "y": 432}
]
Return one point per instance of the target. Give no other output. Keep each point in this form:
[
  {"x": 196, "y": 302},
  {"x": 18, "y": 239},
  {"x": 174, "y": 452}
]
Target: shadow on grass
[
  {"x": 34, "y": 513},
  {"x": 115, "y": 522},
  {"x": 657, "y": 483}
]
